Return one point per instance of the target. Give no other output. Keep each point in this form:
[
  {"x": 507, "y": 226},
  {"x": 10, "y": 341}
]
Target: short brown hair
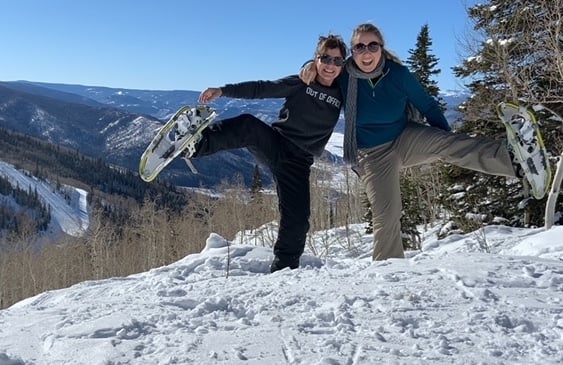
[{"x": 331, "y": 41}]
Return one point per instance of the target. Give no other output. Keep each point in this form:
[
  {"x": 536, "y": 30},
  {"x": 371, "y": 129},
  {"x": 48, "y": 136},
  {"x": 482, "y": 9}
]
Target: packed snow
[
  {"x": 69, "y": 214},
  {"x": 494, "y": 296}
]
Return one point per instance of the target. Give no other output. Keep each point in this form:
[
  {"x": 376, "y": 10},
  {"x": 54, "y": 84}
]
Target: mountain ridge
[
  {"x": 104, "y": 131},
  {"x": 116, "y": 124}
]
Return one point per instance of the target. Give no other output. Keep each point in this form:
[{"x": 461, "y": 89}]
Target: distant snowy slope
[
  {"x": 336, "y": 144},
  {"x": 69, "y": 214}
]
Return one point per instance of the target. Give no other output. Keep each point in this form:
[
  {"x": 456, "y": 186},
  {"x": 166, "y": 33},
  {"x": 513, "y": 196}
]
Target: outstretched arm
[
  {"x": 260, "y": 89},
  {"x": 210, "y": 94}
]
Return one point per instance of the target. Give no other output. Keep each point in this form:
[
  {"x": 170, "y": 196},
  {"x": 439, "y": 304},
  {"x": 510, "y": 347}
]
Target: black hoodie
[{"x": 308, "y": 115}]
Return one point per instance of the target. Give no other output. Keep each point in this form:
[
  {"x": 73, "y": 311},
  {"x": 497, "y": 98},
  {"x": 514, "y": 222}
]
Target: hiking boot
[
  {"x": 279, "y": 264},
  {"x": 526, "y": 147},
  {"x": 189, "y": 127},
  {"x": 518, "y": 171},
  {"x": 192, "y": 119},
  {"x": 190, "y": 150}
]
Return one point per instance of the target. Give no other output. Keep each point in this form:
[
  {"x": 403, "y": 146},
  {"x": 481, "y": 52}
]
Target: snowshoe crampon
[
  {"x": 524, "y": 136},
  {"x": 183, "y": 129}
]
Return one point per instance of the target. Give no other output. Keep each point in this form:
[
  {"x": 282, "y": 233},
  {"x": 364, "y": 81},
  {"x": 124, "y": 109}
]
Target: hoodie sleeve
[
  {"x": 262, "y": 89},
  {"x": 424, "y": 102}
]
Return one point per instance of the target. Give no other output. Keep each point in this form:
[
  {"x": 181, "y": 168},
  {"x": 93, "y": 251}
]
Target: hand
[
  {"x": 210, "y": 94},
  {"x": 308, "y": 73}
]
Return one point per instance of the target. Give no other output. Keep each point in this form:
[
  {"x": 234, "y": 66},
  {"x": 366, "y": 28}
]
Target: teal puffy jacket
[{"x": 382, "y": 106}]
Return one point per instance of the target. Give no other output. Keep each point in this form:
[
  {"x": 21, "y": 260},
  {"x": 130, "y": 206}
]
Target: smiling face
[
  {"x": 366, "y": 60},
  {"x": 328, "y": 71}
]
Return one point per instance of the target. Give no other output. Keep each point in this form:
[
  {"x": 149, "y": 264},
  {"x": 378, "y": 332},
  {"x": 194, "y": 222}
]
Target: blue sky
[{"x": 190, "y": 45}]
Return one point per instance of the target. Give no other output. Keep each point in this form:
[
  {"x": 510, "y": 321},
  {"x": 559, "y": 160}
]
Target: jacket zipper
[{"x": 377, "y": 82}]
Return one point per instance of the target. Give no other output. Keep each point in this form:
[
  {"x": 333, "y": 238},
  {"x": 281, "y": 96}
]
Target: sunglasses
[
  {"x": 361, "y": 48},
  {"x": 327, "y": 60}
]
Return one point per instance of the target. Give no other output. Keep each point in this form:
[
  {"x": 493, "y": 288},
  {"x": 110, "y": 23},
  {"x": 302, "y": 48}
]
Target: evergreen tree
[
  {"x": 423, "y": 63},
  {"x": 417, "y": 197},
  {"x": 256, "y": 185},
  {"x": 256, "y": 180},
  {"x": 516, "y": 56}
]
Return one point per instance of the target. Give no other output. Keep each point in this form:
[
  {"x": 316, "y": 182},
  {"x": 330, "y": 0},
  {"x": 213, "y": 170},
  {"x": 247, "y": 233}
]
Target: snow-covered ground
[
  {"x": 490, "y": 297},
  {"x": 494, "y": 296},
  {"x": 70, "y": 217},
  {"x": 335, "y": 144}
]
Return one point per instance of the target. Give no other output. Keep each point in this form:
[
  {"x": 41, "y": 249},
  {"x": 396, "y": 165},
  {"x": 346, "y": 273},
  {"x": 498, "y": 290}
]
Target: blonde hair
[{"x": 370, "y": 28}]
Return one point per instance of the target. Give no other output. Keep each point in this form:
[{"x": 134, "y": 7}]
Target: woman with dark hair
[{"x": 287, "y": 147}]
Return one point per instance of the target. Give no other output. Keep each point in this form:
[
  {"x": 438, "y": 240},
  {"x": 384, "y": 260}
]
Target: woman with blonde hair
[{"x": 380, "y": 139}]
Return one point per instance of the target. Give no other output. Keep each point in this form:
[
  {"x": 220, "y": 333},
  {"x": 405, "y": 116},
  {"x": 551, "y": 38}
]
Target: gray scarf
[{"x": 350, "y": 142}]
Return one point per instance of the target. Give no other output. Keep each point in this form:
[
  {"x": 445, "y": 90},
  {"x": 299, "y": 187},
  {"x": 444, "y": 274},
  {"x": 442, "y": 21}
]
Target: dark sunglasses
[
  {"x": 371, "y": 46},
  {"x": 327, "y": 60}
]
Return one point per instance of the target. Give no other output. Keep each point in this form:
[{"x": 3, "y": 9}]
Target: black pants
[{"x": 290, "y": 167}]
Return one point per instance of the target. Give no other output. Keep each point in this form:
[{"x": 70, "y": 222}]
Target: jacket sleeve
[
  {"x": 424, "y": 102},
  {"x": 262, "y": 89}
]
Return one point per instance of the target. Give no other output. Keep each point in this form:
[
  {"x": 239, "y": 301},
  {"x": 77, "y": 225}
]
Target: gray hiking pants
[{"x": 379, "y": 169}]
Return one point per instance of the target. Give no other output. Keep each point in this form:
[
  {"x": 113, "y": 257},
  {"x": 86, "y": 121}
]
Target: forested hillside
[{"x": 108, "y": 187}]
